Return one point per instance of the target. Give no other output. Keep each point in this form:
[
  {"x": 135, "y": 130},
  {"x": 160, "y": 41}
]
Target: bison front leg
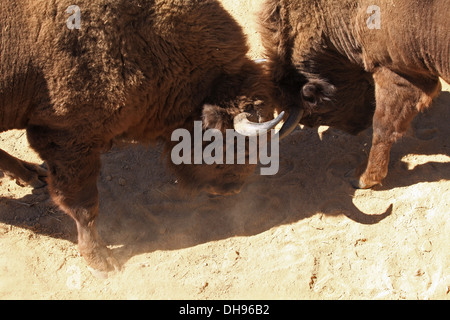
[
  {"x": 73, "y": 186},
  {"x": 397, "y": 103},
  {"x": 73, "y": 169}
]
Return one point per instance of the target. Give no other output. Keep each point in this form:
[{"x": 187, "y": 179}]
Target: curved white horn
[{"x": 247, "y": 128}]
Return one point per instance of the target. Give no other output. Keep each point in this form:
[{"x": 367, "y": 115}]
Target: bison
[
  {"x": 349, "y": 64},
  {"x": 78, "y": 78}
]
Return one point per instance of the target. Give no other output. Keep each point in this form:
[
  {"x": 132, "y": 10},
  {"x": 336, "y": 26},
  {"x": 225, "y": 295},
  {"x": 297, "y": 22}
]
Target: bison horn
[
  {"x": 291, "y": 123},
  {"x": 246, "y": 128},
  {"x": 260, "y": 61}
]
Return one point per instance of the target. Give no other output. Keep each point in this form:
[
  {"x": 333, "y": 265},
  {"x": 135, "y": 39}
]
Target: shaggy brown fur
[
  {"x": 324, "y": 58},
  {"x": 136, "y": 70}
]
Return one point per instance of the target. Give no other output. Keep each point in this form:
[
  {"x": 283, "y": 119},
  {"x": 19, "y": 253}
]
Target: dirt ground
[{"x": 301, "y": 234}]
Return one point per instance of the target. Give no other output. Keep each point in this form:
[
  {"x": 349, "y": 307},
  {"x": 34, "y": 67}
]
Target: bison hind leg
[
  {"x": 398, "y": 100},
  {"x": 23, "y": 172}
]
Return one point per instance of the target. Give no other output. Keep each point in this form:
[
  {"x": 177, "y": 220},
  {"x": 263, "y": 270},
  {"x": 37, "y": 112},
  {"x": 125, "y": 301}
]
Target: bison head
[
  {"x": 348, "y": 105},
  {"x": 237, "y": 115},
  {"x": 220, "y": 152},
  {"x": 344, "y": 105}
]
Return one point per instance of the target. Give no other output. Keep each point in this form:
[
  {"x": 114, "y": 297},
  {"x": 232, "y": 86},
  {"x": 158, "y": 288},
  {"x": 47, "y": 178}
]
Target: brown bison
[
  {"x": 349, "y": 64},
  {"x": 77, "y": 78}
]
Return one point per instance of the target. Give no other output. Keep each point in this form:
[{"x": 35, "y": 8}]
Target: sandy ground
[{"x": 302, "y": 234}]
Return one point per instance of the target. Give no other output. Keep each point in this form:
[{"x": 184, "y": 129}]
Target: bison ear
[
  {"x": 215, "y": 117},
  {"x": 315, "y": 92}
]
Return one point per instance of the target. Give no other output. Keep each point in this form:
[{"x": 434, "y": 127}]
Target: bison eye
[{"x": 309, "y": 93}]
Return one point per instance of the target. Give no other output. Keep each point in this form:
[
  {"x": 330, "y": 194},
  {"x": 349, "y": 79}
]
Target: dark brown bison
[
  {"x": 77, "y": 78},
  {"x": 349, "y": 64}
]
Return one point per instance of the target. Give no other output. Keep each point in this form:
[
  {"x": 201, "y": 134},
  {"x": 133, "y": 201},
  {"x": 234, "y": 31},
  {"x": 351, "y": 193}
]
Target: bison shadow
[{"x": 142, "y": 209}]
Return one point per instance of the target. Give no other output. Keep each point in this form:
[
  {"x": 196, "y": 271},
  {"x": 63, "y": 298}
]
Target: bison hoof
[
  {"x": 100, "y": 261},
  {"x": 359, "y": 184},
  {"x": 37, "y": 174},
  {"x": 355, "y": 184},
  {"x": 38, "y": 183}
]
